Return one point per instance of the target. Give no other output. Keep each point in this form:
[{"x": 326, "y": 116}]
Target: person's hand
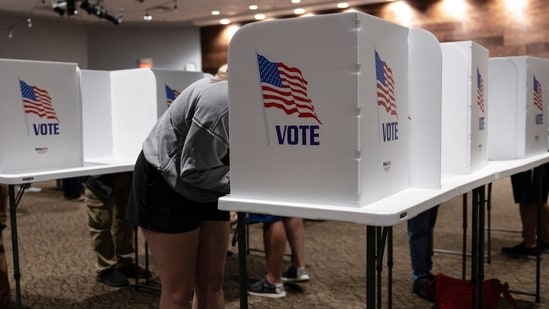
[{"x": 233, "y": 220}]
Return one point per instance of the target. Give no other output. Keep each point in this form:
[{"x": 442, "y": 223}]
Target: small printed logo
[
  {"x": 41, "y": 150},
  {"x": 387, "y": 165},
  {"x": 171, "y": 95}
]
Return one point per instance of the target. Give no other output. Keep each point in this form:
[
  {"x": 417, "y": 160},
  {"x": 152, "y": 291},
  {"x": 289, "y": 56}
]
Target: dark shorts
[
  {"x": 252, "y": 218},
  {"x": 525, "y": 184},
  {"x": 153, "y": 205}
]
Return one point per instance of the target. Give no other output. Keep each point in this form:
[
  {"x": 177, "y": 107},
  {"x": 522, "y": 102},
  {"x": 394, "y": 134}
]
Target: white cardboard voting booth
[
  {"x": 120, "y": 108},
  {"x": 464, "y": 107},
  {"x": 340, "y": 109},
  {"x": 517, "y": 116},
  {"x": 40, "y": 116}
]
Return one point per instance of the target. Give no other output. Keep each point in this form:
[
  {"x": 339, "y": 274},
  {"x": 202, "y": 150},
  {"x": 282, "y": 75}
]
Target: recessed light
[
  {"x": 342, "y": 5},
  {"x": 224, "y": 21},
  {"x": 215, "y": 13},
  {"x": 299, "y": 11},
  {"x": 253, "y": 7},
  {"x": 259, "y": 16}
]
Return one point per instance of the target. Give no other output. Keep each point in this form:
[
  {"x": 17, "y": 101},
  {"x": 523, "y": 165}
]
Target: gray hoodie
[{"x": 190, "y": 142}]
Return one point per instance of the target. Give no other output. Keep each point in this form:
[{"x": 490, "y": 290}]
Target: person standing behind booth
[
  {"x": 276, "y": 230},
  {"x": 420, "y": 240},
  {"x": 106, "y": 197},
  {"x": 179, "y": 175},
  {"x": 524, "y": 193}
]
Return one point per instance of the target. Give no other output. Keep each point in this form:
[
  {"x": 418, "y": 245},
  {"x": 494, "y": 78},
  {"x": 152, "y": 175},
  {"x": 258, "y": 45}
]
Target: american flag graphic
[
  {"x": 37, "y": 101},
  {"x": 171, "y": 94},
  {"x": 480, "y": 91},
  {"x": 385, "y": 86},
  {"x": 538, "y": 98},
  {"x": 285, "y": 88}
]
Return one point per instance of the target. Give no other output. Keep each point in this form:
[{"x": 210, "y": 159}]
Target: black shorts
[
  {"x": 155, "y": 206},
  {"x": 525, "y": 185}
]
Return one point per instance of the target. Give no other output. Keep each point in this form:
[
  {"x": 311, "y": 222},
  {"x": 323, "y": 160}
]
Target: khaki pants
[{"x": 111, "y": 235}]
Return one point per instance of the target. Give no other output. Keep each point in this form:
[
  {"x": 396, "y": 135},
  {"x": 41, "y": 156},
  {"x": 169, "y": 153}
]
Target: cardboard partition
[
  {"x": 96, "y": 114},
  {"x": 169, "y": 84},
  {"x": 517, "y": 117},
  {"x": 40, "y": 116},
  {"x": 120, "y": 107},
  {"x": 464, "y": 107},
  {"x": 324, "y": 114}
]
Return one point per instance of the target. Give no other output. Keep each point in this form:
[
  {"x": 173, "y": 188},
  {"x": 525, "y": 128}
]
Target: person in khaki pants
[
  {"x": 5, "y": 294},
  {"x": 106, "y": 197}
]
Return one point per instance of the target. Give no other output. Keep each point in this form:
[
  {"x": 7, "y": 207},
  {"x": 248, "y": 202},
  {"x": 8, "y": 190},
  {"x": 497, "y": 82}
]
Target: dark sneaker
[
  {"x": 519, "y": 251},
  {"x": 265, "y": 289},
  {"x": 425, "y": 289},
  {"x": 133, "y": 270},
  {"x": 112, "y": 277},
  {"x": 294, "y": 274}
]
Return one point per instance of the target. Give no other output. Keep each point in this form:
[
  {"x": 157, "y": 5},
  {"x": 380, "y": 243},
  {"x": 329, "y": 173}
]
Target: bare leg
[
  {"x": 295, "y": 232},
  {"x": 528, "y": 215},
  {"x": 212, "y": 251},
  {"x": 274, "y": 240},
  {"x": 174, "y": 256}
]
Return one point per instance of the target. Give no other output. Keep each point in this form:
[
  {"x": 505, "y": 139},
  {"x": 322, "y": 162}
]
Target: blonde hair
[{"x": 222, "y": 73}]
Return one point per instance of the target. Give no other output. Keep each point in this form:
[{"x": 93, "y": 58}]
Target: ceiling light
[
  {"x": 224, "y": 21},
  {"x": 253, "y": 7},
  {"x": 259, "y": 16},
  {"x": 215, "y": 13},
  {"x": 299, "y": 11},
  {"x": 147, "y": 17},
  {"x": 342, "y": 5},
  {"x": 296, "y": 1}
]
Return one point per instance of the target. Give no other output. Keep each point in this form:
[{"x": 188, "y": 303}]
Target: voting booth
[
  {"x": 120, "y": 107},
  {"x": 341, "y": 109},
  {"x": 517, "y": 116},
  {"x": 464, "y": 107},
  {"x": 40, "y": 116}
]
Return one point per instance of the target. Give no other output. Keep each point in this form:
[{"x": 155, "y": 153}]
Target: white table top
[
  {"x": 95, "y": 166},
  {"x": 391, "y": 210},
  {"x": 395, "y": 208}
]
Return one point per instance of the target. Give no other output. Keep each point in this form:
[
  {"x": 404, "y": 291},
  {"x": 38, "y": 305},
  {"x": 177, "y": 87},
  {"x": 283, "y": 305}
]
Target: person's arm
[{"x": 204, "y": 159}]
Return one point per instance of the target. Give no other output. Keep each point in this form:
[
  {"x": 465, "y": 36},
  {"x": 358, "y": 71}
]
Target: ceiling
[{"x": 192, "y": 12}]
